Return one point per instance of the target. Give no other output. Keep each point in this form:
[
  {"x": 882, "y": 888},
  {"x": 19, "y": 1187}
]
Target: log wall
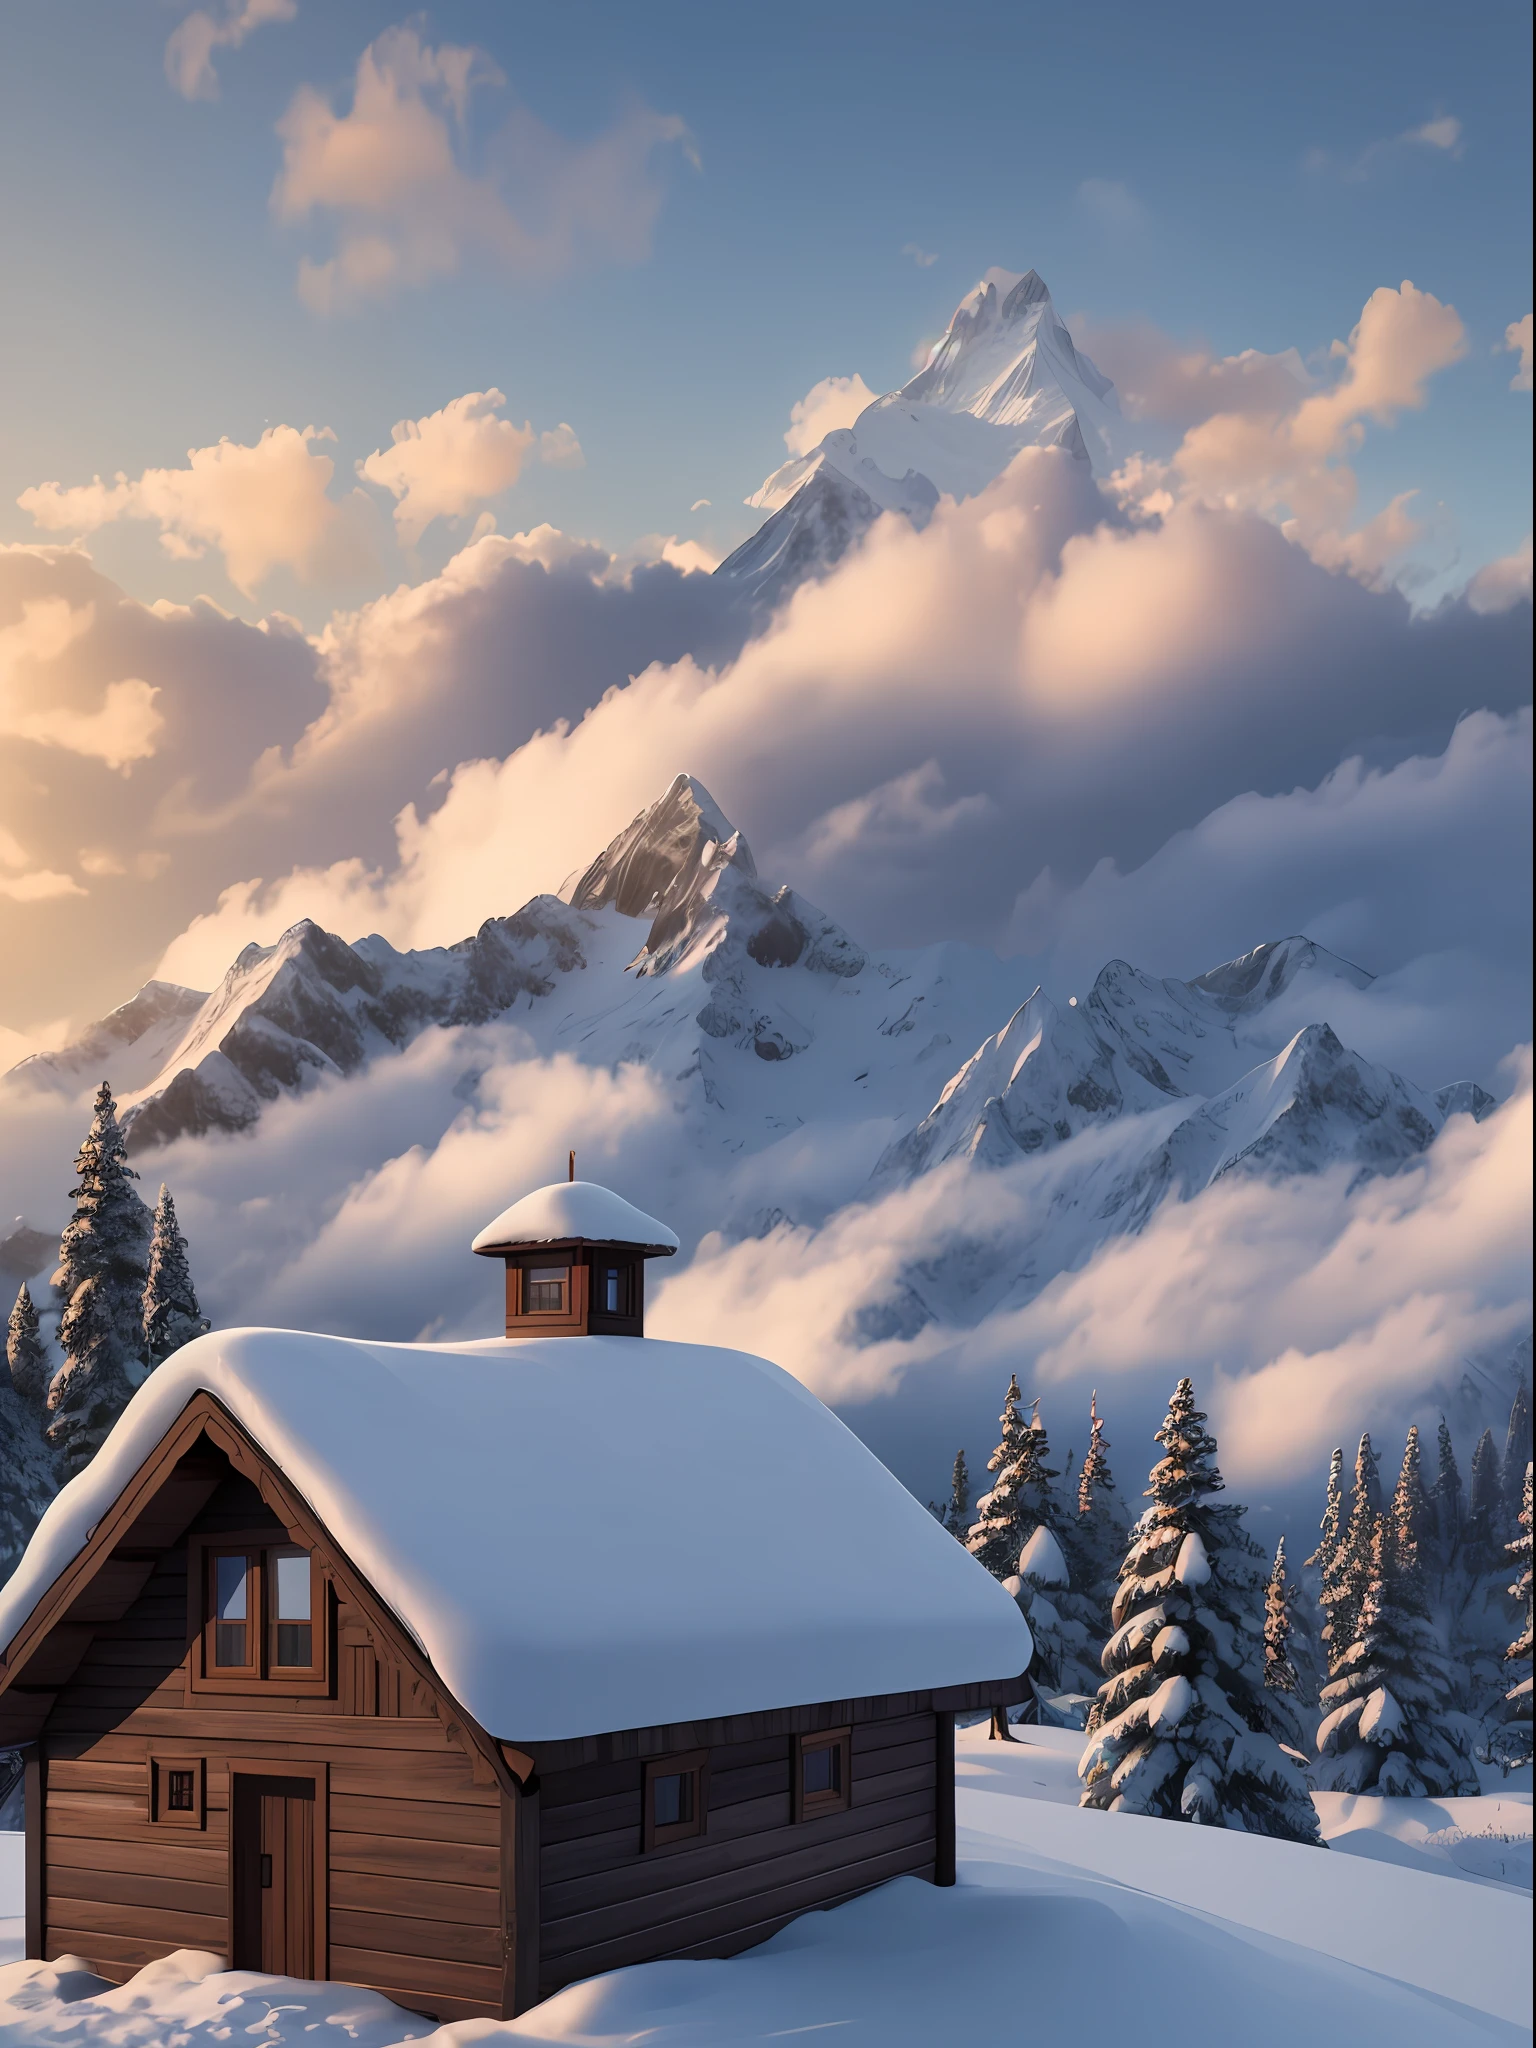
[{"x": 604, "y": 1903}]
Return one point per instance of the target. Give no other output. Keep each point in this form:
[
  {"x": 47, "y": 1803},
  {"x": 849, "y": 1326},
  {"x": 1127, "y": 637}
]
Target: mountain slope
[
  {"x": 763, "y": 1019},
  {"x": 1006, "y": 376}
]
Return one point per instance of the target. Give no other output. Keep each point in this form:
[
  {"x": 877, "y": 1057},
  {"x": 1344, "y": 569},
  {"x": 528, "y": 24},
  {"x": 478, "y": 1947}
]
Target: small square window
[
  {"x": 676, "y": 1797},
  {"x": 176, "y": 1791},
  {"x": 823, "y": 1769},
  {"x": 545, "y": 1290}
]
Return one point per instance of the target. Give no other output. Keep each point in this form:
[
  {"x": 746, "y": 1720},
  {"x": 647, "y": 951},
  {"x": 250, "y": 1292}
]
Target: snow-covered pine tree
[
  {"x": 1281, "y": 1677},
  {"x": 100, "y": 1286},
  {"x": 1096, "y": 1536},
  {"x": 1184, "y": 1728},
  {"x": 1412, "y": 1519},
  {"x": 1517, "y": 1454},
  {"x": 997, "y": 1535},
  {"x": 1449, "y": 1497},
  {"x": 1387, "y": 1726},
  {"x": 957, "y": 1514},
  {"x": 1513, "y": 1744},
  {"x": 26, "y": 1354},
  {"x": 1347, "y": 1579},
  {"x": 1279, "y": 1597},
  {"x": 170, "y": 1316}
]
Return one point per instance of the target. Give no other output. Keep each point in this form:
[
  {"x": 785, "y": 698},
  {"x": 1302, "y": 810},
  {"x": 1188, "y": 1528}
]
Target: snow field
[{"x": 1055, "y": 1908}]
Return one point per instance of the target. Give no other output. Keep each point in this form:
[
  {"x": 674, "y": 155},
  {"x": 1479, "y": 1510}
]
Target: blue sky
[{"x": 1230, "y": 173}]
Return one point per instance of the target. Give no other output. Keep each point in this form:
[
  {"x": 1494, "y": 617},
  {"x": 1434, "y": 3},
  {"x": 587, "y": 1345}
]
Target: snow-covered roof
[
  {"x": 574, "y": 1209},
  {"x": 585, "y": 1534}
]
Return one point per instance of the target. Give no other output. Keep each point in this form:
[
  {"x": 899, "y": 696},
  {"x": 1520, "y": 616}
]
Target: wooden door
[{"x": 274, "y": 1876}]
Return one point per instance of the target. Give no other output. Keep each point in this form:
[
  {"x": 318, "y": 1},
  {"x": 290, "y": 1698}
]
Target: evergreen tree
[
  {"x": 1183, "y": 1727},
  {"x": 26, "y": 1354},
  {"x": 1512, "y": 1745},
  {"x": 1097, "y": 1534},
  {"x": 170, "y": 1316},
  {"x": 1279, "y": 1598},
  {"x": 1412, "y": 1521},
  {"x": 1346, "y": 1581},
  {"x": 1450, "y": 1500},
  {"x": 1386, "y": 1726},
  {"x": 956, "y": 1514},
  {"x": 997, "y": 1535},
  {"x": 100, "y": 1286},
  {"x": 1517, "y": 1453},
  {"x": 1038, "y": 1505},
  {"x": 1484, "y": 1507},
  {"x": 27, "y": 1481}
]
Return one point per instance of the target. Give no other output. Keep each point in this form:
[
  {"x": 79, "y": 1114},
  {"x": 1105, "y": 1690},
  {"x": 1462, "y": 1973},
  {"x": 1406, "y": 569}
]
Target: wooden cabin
[{"x": 463, "y": 1671}]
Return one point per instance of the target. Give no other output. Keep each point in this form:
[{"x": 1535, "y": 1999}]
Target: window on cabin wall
[
  {"x": 293, "y": 1624},
  {"x": 676, "y": 1796},
  {"x": 263, "y": 1620},
  {"x": 823, "y": 1773},
  {"x": 234, "y": 1576}
]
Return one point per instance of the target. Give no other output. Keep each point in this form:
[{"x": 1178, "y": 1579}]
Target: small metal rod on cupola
[{"x": 575, "y": 1256}]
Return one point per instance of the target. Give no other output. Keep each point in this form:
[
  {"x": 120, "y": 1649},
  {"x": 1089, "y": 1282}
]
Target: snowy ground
[{"x": 1064, "y": 1925}]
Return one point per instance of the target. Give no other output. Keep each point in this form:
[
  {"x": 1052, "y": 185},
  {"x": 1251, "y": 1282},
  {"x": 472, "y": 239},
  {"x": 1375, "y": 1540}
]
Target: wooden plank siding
[
  {"x": 603, "y": 1902},
  {"x": 414, "y": 1823}
]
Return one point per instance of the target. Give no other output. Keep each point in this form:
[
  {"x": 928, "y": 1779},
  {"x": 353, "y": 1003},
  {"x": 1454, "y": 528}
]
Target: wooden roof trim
[{"x": 115, "y": 1525}]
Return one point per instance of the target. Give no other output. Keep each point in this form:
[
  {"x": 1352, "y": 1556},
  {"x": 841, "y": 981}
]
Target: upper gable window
[
  {"x": 262, "y": 1619},
  {"x": 548, "y": 1290},
  {"x": 234, "y": 1574},
  {"x": 293, "y": 1625}
]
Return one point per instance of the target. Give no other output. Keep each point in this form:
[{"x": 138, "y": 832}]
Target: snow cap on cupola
[{"x": 575, "y": 1257}]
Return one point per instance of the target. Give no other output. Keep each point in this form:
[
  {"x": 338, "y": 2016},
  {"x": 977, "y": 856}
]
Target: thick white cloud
[
  {"x": 1302, "y": 1310},
  {"x": 1065, "y": 686},
  {"x": 118, "y": 729},
  {"x": 447, "y": 463},
  {"x": 392, "y": 178},
  {"x": 1262, "y": 433},
  {"x": 264, "y": 506},
  {"x": 834, "y": 402},
  {"x": 1517, "y": 341},
  {"x": 1296, "y": 458},
  {"x": 1500, "y": 585},
  {"x": 191, "y": 44}
]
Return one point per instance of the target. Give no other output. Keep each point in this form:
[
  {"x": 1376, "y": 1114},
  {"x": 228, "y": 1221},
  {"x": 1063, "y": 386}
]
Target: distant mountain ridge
[
  {"x": 1192, "y": 1072},
  {"x": 1005, "y": 376}
]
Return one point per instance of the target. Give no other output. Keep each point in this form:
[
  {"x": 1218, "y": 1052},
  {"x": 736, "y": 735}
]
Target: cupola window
[
  {"x": 616, "y": 1290},
  {"x": 548, "y": 1290}
]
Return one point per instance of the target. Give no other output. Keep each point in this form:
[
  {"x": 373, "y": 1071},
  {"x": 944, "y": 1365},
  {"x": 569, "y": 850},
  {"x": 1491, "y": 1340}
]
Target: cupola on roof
[{"x": 575, "y": 1212}]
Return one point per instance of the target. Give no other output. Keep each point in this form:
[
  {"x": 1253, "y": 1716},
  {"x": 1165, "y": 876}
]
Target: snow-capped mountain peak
[{"x": 1005, "y": 376}]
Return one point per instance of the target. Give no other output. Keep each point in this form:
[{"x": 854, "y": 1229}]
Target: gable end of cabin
[{"x": 232, "y": 1745}]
